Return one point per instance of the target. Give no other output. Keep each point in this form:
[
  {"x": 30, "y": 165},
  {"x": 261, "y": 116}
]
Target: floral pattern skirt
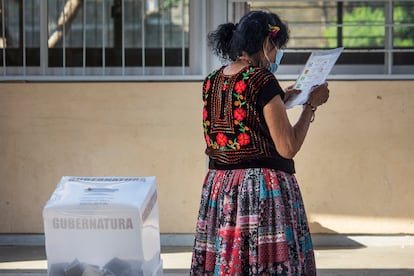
[{"x": 252, "y": 222}]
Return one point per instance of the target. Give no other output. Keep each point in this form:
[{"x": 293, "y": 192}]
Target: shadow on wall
[
  {"x": 331, "y": 239},
  {"x": 316, "y": 227}
]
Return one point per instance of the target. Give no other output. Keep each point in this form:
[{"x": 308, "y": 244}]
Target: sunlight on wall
[{"x": 350, "y": 224}]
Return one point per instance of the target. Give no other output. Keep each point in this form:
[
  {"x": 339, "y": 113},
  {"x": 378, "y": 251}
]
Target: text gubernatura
[{"x": 69, "y": 223}]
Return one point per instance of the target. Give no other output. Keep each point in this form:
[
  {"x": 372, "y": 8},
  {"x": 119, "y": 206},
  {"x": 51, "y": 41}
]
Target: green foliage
[
  {"x": 363, "y": 27},
  {"x": 370, "y": 32},
  {"x": 167, "y": 4},
  {"x": 403, "y": 36}
]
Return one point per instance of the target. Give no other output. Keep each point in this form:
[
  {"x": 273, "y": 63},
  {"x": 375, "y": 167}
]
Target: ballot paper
[{"x": 315, "y": 72}]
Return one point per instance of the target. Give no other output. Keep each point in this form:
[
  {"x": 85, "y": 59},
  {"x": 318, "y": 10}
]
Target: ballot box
[{"x": 103, "y": 226}]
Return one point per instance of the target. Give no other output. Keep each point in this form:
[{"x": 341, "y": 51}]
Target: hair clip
[{"x": 273, "y": 30}]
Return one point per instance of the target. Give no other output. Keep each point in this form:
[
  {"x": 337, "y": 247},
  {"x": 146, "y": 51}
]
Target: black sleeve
[{"x": 269, "y": 90}]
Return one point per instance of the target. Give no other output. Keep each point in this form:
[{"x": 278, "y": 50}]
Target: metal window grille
[
  {"x": 96, "y": 39},
  {"x": 378, "y": 44},
  {"x": 92, "y": 42}
]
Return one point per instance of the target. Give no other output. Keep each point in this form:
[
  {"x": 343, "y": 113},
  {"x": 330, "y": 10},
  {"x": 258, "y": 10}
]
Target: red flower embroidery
[
  {"x": 240, "y": 87},
  {"x": 208, "y": 84},
  {"x": 221, "y": 139},
  {"x": 243, "y": 139},
  {"x": 205, "y": 114},
  {"x": 239, "y": 114},
  {"x": 208, "y": 140}
]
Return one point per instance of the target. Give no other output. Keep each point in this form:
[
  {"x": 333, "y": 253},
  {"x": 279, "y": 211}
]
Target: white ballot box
[{"x": 103, "y": 226}]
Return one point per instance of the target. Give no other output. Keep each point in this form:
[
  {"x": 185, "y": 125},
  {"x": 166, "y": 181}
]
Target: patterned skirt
[{"x": 252, "y": 222}]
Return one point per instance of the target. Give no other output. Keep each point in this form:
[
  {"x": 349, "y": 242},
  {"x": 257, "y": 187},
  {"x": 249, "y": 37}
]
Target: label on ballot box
[{"x": 103, "y": 226}]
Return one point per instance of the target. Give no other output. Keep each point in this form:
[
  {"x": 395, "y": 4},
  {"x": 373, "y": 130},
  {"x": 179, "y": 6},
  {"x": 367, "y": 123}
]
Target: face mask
[{"x": 273, "y": 66}]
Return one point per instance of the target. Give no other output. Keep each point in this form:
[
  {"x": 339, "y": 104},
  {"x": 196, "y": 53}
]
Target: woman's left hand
[{"x": 289, "y": 92}]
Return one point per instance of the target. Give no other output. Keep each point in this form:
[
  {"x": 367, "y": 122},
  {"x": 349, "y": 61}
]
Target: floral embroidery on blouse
[{"x": 240, "y": 136}]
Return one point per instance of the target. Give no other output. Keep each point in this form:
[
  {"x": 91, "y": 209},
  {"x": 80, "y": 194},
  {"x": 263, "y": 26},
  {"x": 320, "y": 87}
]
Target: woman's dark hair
[{"x": 229, "y": 40}]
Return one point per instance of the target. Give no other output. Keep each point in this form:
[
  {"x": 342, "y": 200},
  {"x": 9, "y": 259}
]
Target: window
[
  {"x": 166, "y": 39},
  {"x": 378, "y": 36},
  {"x": 95, "y": 38},
  {"x": 19, "y": 34}
]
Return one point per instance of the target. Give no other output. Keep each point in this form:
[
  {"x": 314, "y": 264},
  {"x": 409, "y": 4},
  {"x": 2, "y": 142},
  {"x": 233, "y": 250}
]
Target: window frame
[
  {"x": 382, "y": 71},
  {"x": 194, "y": 70},
  {"x": 204, "y": 16}
]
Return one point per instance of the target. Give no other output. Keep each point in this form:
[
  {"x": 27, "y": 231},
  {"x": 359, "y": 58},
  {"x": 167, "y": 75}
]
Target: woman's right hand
[{"x": 319, "y": 95}]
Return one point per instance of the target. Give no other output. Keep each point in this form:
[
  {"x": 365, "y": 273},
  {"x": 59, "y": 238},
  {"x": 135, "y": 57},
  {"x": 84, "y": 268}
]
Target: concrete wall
[{"x": 355, "y": 168}]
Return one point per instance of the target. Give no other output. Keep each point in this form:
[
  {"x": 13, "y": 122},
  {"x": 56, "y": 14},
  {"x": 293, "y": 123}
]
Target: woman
[{"x": 252, "y": 219}]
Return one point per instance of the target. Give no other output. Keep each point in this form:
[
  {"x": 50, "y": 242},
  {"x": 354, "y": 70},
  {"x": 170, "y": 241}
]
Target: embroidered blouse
[{"x": 235, "y": 130}]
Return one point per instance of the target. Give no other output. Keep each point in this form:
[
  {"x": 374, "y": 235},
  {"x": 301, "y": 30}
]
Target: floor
[{"x": 379, "y": 256}]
